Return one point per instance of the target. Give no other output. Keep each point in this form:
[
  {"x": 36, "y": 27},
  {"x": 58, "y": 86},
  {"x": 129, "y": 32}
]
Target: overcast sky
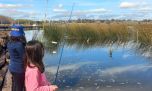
[{"x": 90, "y": 9}]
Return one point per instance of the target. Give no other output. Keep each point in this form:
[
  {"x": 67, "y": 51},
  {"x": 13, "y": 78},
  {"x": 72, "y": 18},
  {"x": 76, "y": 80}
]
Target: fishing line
[
  {"x": 35, "y": 34},
  {"x": 56, "y": 75}
]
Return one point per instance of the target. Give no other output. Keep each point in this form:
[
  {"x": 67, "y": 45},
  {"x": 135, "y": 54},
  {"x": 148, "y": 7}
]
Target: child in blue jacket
[{"x": 16, "y": 49}]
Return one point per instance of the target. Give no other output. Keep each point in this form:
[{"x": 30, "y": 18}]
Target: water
[{"x": 108, "y": 67}]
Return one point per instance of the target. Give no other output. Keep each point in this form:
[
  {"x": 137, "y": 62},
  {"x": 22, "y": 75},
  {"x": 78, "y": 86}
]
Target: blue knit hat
[{"x": 17, "y": 30}]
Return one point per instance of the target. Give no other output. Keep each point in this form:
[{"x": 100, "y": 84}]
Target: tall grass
[{"x": 101, "y": 32}]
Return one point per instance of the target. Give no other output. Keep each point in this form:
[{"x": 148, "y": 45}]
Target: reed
[{"x": 101, "y": 32}]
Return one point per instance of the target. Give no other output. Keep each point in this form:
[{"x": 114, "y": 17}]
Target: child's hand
[{"x": 54, "y": 87}]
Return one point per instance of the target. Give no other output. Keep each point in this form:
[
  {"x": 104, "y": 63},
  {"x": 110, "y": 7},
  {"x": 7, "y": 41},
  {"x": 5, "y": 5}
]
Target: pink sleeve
[
  {"x": 45, "y": 80},
  {"x": 32, "y": 82}
]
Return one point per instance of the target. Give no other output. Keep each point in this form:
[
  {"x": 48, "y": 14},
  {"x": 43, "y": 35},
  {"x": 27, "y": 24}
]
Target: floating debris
[
  {"x": 138, "y": 83},
  {"x": 102, "y": 80},
  {"x": 97, "y": 87},
  {"x": 112, "y": 80},
  {"x": 67, "y": 86},
  {"x": 81, "y": 87},
  {"x": 122, "y": 83},
  {"x": 108, "y": 86}
]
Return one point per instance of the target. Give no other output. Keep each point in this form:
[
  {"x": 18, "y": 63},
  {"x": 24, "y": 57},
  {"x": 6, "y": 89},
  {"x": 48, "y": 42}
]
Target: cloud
[
  {"x": 145, "y": 9},
  {"x": 56, "y": 10},
  {"x": 80, "y": 12},
  {"x": 108, "y": 16},
  {"x": 13, "y": 6},
  {"x": 72, "y": 67},
  {"x": 137, "y": 6},
  {"x": 18, "y": 0},
  {"x": 98, "y": 10},
  {"x": 131, "y": 16},
  {"x": 128, "y": 5},
  {"x": 61, "y": 12},
  {"x": 123, "y": 16},
  {"x": 60, "y": 5},
  {"x": 123, "y": 69},
  {"x": 59, "y": 9},
  {"x": 138, "y": 10},
  {"x": 16, "y": 13},
  {"x": 87, "y": 4}
]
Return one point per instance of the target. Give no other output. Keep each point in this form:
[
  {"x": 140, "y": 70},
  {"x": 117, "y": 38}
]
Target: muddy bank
[
  {"x": 7, "y": 83},
  {"x": 3, "y": 72},
  {"x": 3, "y": 63},
  {"x": 3, "y": 69},
  {"x": 3, "y": 41},
  {"x": 3, "y": 34}
]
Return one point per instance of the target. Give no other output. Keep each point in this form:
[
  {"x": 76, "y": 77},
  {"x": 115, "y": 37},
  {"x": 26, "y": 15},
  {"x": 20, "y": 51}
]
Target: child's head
[
  {"x": 17, "y": 33},
  {"x": 34, "y": 54},
  {"x": 17, "y": 30}
]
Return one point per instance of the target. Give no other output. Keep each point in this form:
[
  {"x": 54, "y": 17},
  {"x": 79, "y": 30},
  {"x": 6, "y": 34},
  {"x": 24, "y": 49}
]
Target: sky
[{"x": 82, "y": 9}]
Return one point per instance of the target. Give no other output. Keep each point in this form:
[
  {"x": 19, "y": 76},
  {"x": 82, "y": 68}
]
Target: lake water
[{"x": 107, "y": 67}]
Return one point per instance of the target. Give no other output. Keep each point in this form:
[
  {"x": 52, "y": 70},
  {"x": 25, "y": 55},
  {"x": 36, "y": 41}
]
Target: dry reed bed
[{"x": 101, "y": 31}]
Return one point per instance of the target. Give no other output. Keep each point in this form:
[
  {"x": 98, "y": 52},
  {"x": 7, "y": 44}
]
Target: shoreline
[{"x": 3, "y": 71}]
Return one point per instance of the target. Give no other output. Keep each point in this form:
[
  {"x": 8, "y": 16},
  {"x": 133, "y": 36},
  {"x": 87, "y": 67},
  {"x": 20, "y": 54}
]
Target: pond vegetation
[{"x": 90, "y": 34}]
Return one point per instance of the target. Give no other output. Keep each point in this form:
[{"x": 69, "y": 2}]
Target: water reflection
[
  {"x": 93, "y": 69},
  {"x": 57, "y": 35},
  {"x": 99, "y": 65}
]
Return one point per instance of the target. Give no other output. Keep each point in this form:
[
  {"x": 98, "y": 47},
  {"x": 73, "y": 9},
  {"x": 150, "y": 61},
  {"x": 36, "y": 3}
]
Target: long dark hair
[{"x": 34, "y": 52}]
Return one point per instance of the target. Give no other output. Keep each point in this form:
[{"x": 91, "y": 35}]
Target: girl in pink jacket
[{"x": 35, "y": 79}]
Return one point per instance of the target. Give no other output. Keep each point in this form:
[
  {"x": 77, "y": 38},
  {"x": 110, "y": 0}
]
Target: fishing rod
[
  {"x": 36, "y": 31},
  {"x": 35, "y": 34},
  {"x": 56, "y": 75}
]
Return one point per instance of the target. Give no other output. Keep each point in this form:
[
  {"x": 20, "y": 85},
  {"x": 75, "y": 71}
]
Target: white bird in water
[
  {"x": 54, "y": 52},
  {"x": 54, "y": 42},
  {"x": 88, "y": 40},
  {"x": 34, "y": 25}
]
